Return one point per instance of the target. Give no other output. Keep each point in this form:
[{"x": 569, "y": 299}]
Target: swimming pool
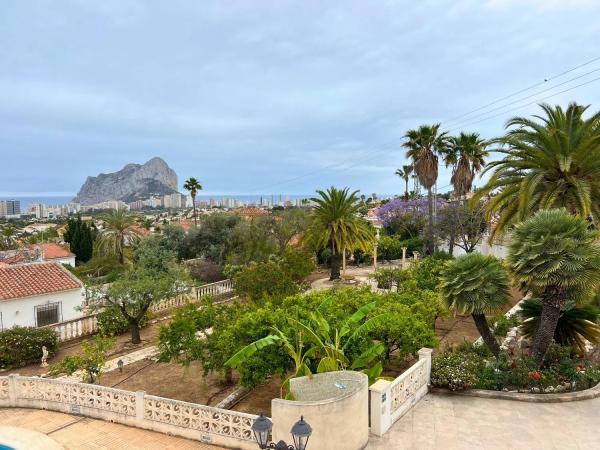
[{"x": 5, "y": 447}]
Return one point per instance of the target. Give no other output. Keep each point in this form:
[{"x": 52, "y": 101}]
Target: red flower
[
  {"x": 513, "y": 365},
  {"x": 530, "y": 374},
  {"x": 537, "y": 376}
]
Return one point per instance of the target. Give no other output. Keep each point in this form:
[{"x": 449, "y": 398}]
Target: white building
[
  {"x": 34, "y": 295},
  {"x": 10, "y": 209}
]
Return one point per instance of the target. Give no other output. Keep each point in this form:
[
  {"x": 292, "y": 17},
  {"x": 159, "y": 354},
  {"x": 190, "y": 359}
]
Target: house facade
[{"x": 38, "y": 294}]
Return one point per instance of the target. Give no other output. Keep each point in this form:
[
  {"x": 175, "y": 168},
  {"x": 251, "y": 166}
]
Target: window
[{"x": 48, "y": 314}]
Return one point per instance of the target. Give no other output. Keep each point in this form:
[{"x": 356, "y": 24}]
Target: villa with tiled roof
[{"x": 38, "y": 294}]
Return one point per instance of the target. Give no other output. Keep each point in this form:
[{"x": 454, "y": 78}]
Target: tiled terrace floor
[
  {"x": 457, "y": 422},
  {"x": 77, "y": 433}
]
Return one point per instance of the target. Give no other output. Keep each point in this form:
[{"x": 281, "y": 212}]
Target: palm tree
[
  {"x": 423, "y": 147},
  {"x": 405, "y": 174},
  {"x": 576, "y": 324},
  {"x": 550, "y": 162},
  {"x": 192, "y": 185},
  {"x": 8, "y": 239},
  {"x": 478, "y": 285},
  {"x": 555, "y": 256},
  {"x": 468, "y": 155},
  {"x": 119, "y": 227},
  {"x": 337, "y": 225}
]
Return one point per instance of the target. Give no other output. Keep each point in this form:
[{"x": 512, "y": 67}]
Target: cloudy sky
[{"x": 271, "y": 96}]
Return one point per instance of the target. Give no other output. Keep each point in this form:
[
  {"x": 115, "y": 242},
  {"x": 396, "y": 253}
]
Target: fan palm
[
  {"x": 337, "y": 225},
  {"x": 193, "y": 186},
  {"x": 551, "y": 162},
  {"x": 576, "y": 324},
  {"x": 423, "y": 147},
  {"x": 476, "y": 284},
  {"x": 405, "y": 174},
  {"x": 554, "y": 255},
  {"x": 119, "y": 228}
]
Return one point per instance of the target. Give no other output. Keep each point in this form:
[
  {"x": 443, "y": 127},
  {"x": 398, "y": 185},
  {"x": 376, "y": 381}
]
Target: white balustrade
[
  {"x": 222, "y": 427},
  {"x": 390, "y": 400},
  {"x": 86, "y": 325}
]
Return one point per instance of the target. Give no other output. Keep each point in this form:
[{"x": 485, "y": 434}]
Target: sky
[{"x": 260, "y": 97}]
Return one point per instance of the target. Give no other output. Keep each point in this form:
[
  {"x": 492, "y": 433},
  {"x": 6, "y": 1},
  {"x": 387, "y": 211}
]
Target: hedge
[{"x": 20, "y": 346}]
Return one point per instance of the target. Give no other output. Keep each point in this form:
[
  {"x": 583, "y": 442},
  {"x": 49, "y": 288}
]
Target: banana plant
[
  {"x": 294, "y": 347},
  {"x": 332, "y": 343}
]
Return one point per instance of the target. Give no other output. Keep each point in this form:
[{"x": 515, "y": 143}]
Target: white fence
[
  {"x": 222, "y": 427},
  {"x": 86, "y": 325},
  {"x": 390, "y": 400}
]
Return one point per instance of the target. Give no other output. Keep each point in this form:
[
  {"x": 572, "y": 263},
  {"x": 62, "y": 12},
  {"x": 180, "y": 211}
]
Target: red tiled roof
[
  {"x": 35, "y": 279},
  {"x": 252, "y": 212},
  {"x": 53, "y": 251}
]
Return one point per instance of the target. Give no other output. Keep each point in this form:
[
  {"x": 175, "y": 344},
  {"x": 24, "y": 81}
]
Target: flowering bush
[
  {"x": 20, "y": 346},
  {"x": 473, "y": 367}
]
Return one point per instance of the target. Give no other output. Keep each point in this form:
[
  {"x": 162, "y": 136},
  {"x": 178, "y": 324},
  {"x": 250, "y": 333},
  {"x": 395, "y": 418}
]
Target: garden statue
[{"x": 44, "y": 356}]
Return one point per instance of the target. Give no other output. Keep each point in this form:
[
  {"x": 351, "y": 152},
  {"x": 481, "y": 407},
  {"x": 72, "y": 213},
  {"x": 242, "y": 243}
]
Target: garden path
[{"x": 452, "y": 422}]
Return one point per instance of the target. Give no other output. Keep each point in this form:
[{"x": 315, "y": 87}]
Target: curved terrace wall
[{"x": 334, "y": 403}]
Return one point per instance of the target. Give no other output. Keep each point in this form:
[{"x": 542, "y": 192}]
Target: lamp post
[{"x": 262, "y": 427}]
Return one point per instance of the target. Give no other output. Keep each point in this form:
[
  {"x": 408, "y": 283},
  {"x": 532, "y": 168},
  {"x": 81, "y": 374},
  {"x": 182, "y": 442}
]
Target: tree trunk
[
  {"x": 406, "y": 191},
  {"x": 451, "y": 243},
  {"x": 228, "y": 377},
  {"x": 135, "y": 333},
  {"x": 335, "y": 266},
  {"x": 194, "y": 206},
  {"x": 544, "y": 335},
  {"x": 430, "y": 243},
  {"x": 484, "y": 330}
]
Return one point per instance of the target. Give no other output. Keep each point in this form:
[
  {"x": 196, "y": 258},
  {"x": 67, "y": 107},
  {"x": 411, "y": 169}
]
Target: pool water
[{"x": 5, "y": 447}]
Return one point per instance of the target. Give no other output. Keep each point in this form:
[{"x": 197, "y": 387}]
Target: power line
[
  {"x": 528, "y": 104},
  {"x": 524, "y": 89},
  {"x": 526, "y": 97}
]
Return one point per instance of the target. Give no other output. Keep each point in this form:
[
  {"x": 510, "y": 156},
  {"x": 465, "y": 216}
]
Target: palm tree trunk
[
  {"x": 544, "y": 335},
  {"x": 406, "y": 190},
  {"x": 484, "y": 330},
  {"x": 194, "y": 206},
  {"x": 335, "y": 265},
  {"x": 430, "y": 243}
]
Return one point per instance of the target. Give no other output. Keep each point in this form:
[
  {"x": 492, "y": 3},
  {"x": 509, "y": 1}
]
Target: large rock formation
[{"x": 133, "y": 182}]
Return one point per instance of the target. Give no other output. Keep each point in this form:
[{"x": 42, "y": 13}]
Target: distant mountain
[{"x": 133, "y": 182}]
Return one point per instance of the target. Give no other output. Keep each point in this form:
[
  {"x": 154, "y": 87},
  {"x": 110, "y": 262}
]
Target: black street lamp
[{"x": 301, "y": 431}]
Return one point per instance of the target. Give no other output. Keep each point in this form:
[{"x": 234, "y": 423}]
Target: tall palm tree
[
  {"x": 193, "y": 186},
  {"x": 478, "y": 285},
  {"x": 550, "y": 162},
  {"x": 119, "y": 227},
  {"x": 423, "y": 146},
  {"x": 468, "y": 154},
  {"x": 405, "y": 174},
  {"x": 556, "y": 257},
  {"x": 337, "y": 225}
]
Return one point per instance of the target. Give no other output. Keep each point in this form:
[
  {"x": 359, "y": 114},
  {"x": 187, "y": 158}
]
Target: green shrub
[
  {"x": 427, "y": 272},
  {"x": 473, "y": 367},
  {"x": 264, "y": 279},
  {"x": 412, "y": 245},
  {"x": 456, "y": 370},
  {"x": 502, "y": 324},
  {"x": 389, "y": 248},
  {"x": 20, "y": 346},
  {"x": 111, "y": 322},
  {"x": 388, "y": 278}
]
